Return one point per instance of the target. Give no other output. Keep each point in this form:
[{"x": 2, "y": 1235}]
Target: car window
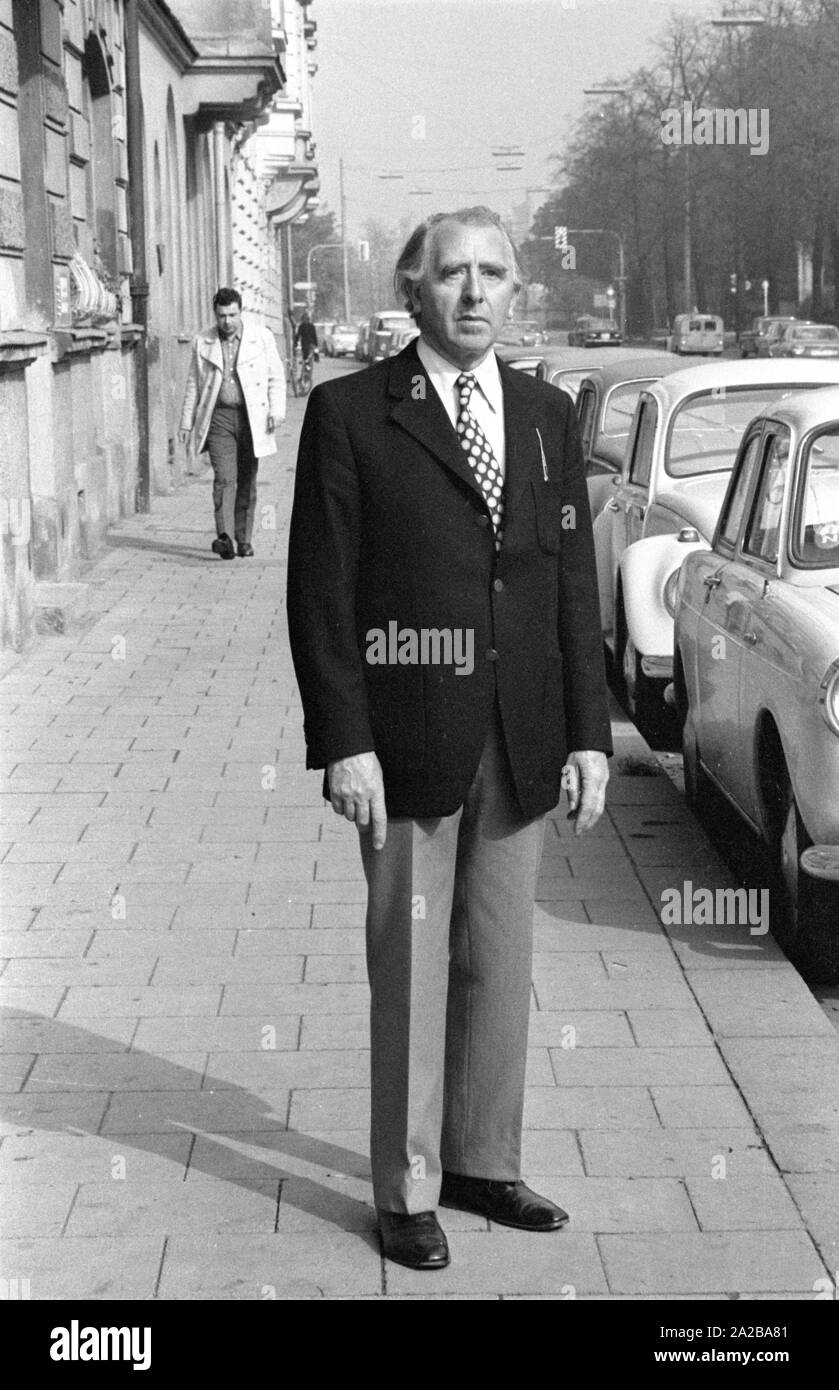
[
  {"x": 735, "y": 502},
  {"x": 620, "y": 407},
  {"x": 705, "y": 430},
  {"x": 763, "y": 531},
  {"x": 585, "y": 415},
  {"x": 817, "y": 334},
  {"x": 569, "y": 382},
  {"x": 815, "y": 530},
  {"x": 640, "y": 463}
]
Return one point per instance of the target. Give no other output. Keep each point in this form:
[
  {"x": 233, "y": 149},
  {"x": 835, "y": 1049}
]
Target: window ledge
[{"x": 18, "y": 347}]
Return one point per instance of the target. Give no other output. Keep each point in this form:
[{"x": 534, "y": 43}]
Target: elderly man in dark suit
[{"x": 445, "y": 631}]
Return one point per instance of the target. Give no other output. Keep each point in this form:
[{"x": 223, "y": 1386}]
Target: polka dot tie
[{"x": 479, "y": 455}]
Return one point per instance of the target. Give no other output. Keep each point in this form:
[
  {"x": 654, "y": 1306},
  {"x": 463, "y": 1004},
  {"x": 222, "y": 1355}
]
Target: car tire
[
  {"x": 803, "y": 910},
  {"x": 643, "y": 698}
]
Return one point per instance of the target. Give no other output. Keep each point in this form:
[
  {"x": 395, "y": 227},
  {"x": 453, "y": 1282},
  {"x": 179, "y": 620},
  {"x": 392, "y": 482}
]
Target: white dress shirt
[{"x": 487, "y": 403}]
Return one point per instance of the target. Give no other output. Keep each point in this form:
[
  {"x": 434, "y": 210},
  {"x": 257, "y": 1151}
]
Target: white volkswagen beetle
[
  {"x": 757, "y": 664},
  {"x": 681, "y": 447}
]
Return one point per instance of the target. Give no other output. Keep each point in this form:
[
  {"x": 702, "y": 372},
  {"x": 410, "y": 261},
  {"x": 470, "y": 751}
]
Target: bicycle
[{"x": 302, "y": 369}]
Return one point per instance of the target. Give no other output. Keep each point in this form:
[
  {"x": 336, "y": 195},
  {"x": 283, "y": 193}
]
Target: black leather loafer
[
  {"x": 245, "y": 549},
  {"x": 223, "y": 546},
  {"x": 508, "y": 1203},
  {"x": 414, "y": 1240}
]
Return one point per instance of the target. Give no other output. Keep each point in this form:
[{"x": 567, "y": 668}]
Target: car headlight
[
  {"x": 671, "y": 589},
  {"x": 829, "y": 697},
  {"x": 798, "y": 352}
]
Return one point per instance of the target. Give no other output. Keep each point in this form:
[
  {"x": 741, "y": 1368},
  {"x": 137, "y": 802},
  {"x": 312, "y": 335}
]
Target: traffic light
[{"x": 560, "y": 238}]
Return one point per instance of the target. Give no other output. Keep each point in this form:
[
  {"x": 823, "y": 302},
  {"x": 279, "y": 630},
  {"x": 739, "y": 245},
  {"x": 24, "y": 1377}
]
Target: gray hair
[{"x": 412, "y": 266}]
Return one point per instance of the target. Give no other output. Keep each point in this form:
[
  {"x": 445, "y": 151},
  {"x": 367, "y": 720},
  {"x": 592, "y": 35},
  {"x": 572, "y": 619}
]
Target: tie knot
[{"x": 465, "y": 384}]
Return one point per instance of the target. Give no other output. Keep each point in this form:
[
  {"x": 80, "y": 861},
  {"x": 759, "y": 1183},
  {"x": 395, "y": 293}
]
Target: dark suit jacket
[{"x": 389, "y": 525}]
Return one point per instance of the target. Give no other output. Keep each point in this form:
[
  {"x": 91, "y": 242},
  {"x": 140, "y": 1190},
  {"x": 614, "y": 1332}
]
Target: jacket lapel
[
  {"x": 523, "y": 460},
  {"x": 418, "y": 409},
  {"x": 209, "y": 346}
]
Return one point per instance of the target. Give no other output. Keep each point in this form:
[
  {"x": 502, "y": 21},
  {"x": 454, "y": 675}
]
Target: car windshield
[
  {"x": 815, "y": 529},
  {"x": 706, "y": 429},
  {"x": 391, "y": 323},
  {"x": 818, "y": 333},
  {"x": 620, "y": 408}
]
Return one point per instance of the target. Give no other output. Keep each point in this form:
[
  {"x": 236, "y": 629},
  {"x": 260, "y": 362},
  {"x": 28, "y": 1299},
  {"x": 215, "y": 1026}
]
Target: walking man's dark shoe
[
  {"x": 245, "y": 549},
  {"x": 508, "y": 1203},
  {"x": 223, "y": 546},
  {"x": 414, "y": 1240}
]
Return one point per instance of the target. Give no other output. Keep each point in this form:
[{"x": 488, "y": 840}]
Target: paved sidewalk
[{"x": 184, "y": 1045}]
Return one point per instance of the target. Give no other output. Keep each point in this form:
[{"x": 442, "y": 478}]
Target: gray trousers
[
  {"x": 449, "y": 956},
  {"x": 230, "y": 446}
]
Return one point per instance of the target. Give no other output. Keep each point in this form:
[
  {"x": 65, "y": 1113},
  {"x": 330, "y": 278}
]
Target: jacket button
[
  {"x": 492, "y": 654},
  {"x": 498, "y": 585},
  {"x": 482, "y": 520}
]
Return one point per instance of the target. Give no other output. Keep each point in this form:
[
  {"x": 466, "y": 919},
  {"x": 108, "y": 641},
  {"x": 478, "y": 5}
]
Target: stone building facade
[{"x": 102, "y": 286}]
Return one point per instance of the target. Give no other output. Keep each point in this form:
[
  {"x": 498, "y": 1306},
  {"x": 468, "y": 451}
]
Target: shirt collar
[{"x": 486, "y": 373}]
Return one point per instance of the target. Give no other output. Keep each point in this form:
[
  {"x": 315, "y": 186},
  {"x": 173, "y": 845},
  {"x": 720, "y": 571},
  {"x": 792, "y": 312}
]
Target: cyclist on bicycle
[{"x": 306, "y": 337}]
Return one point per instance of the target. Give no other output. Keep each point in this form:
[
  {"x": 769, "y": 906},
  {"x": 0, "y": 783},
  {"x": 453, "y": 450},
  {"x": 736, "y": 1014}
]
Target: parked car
[
  {"x": 592, "y": 332},
  {"x": 341, "y": 340},
  {"x": 679, "y": 454},
  {"x": 401, "y": 337},
  {"x": 606, "y": 403},
  {"x": 757, "y": 664},
  {"x": 807, "y": 340},
  {"x": 381, "y": 327},
  {"x": 323, "y": 328},
  {"x": 749, "y": 337},
  {"x": 702, "y": 334},
  {"x": 772, "y": 334}
]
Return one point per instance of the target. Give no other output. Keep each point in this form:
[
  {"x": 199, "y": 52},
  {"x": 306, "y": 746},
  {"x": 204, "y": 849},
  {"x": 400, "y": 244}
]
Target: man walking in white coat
[{"x": 235, "y": 396}]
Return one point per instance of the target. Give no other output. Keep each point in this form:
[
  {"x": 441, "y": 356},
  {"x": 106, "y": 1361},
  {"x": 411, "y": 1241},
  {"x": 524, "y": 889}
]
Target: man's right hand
[
  {"x": 183, "y": 436},
  {"x": 357, "y": 791}
]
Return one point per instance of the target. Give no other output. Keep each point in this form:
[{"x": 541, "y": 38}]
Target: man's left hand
[{"x": 586, "y": 787}]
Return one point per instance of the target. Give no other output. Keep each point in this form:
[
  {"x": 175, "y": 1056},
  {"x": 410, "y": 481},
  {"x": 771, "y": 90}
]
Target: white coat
[{"x": 261, "y": 379}]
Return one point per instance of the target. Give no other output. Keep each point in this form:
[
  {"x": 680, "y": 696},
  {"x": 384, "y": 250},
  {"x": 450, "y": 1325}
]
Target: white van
[{"x": 697, "y": 333}]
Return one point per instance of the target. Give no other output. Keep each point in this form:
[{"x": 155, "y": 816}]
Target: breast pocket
[{"x": 549, "y": 516}]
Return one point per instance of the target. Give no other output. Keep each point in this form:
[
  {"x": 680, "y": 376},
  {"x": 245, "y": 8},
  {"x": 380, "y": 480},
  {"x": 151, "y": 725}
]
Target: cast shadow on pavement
[{"x": 212, "y": 1147}]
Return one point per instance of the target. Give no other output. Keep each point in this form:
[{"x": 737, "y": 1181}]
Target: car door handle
[
  {"x": 612, "y": 506},
  {"x": 751, "y": 638},
  {"x": 712, "y": 581}
]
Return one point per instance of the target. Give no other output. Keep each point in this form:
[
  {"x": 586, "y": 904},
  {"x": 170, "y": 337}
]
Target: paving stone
[
  {"x": 295, "y": 999},
  {"x": 613, "y": 993},
  {"x": 288, "y": 1266},
  {"x": 244, "y": 1034},
  {"x": 291, "y": 941},
  {"x": 117, "y": 1071},
  {"x": 505, "y": 1261},
  {"x": 321, "y": 1030},
  {"x": 203, "y": 1208},
  {"x": 115, "y": 1000},
  {"x": 58, "y": 1110},
  {"x": 711, "y": 1261},
  {"x": 81, "y": 973},
  {"x": 25, "y": 1212},
  {"x": 104, "y": 1268},
  {"x": 163, "y": 945},
  {"x": 26, "y": 945},
  {"x": 54, "y": 1035},
  {"x": 674, "y": 1153},
  {"x": 750, "y": 1202},
  {"x": 686, "y": 1107},
  {"x": 225, "y": 1110},
  {"x": 669, "y": 1028},
  {"x": 639, "y": 1066},
  {"x": 266, "y": 1072},
  {"x": 580, "y": 1027},
  {"x": 621, "y": 1205},
  {"x": 23, "y": 1001},
  {"x": 204, "y": 968},
  {"x": 590, "y": 1107},
  {"x": 817, "y": 1198},
  {"x": 565, "y": 936}
]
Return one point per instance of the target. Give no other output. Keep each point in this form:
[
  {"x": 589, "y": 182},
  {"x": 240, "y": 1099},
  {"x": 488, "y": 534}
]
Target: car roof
[
  {"x": 805, "y": 409},
  {"x": 761, "y": 371},
  {"x": 633, "y": 369}
]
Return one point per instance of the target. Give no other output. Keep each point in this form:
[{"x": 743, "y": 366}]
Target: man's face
[
  {"x": 466, "y": 294},
  {"x": 228, "y": 318}
]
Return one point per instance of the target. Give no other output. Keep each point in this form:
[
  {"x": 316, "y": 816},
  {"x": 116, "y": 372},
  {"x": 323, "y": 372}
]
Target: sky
[{"x": 430, "y": 88}]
